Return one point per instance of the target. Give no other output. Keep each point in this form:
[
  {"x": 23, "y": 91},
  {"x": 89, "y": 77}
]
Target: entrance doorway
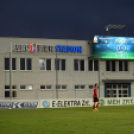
[{"x": 117, "y": 90}]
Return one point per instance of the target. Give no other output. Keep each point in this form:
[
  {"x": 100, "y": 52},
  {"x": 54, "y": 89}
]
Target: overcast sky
[{"x": 63, "y": 19}]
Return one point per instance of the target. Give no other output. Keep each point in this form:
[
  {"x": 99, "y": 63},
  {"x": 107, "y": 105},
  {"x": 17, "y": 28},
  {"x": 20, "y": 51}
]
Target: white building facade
[{"x": 60, "y": 69}]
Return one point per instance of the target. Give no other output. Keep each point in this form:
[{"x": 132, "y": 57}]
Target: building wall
[{"x": 68, "y": 77}]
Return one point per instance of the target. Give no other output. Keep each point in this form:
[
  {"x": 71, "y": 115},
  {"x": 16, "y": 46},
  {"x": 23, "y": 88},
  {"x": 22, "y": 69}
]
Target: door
[{"x": 117, "y": 90}]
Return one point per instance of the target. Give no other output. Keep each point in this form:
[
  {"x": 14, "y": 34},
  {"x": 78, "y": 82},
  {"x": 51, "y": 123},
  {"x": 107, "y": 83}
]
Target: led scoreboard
[{"x": 109, "y": 47}]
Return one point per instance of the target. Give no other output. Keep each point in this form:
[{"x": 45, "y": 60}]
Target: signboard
[
  {"x": 35, "y": 47},
  {"x": 109, "y": 47},
  {"x": 66, "y": 103},
  {"x": 116, "y": 101},
  {"x": 85, "y": 102},
  {"x": 18, "y": 104}
]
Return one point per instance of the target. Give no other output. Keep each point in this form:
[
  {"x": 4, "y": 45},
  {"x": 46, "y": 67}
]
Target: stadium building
[{"x": 55, "y": 68}]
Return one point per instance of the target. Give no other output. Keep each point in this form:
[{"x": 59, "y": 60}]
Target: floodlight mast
[{"x": 111, "y": 26}]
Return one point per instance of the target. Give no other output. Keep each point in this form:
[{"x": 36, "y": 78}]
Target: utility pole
[{"x": 11, "y": 94}]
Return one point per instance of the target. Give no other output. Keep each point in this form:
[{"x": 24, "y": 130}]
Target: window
[
  {"x": 8, "y": 87},
  {"x": 96, "y": 65},
  {"x": 27, "y": 87},
  {"x": 123, "y": 65},
  {"x": 117, "y": 90},
  {"x": 45, "y": 87},
  {"x": 120, "y": 66},
  {"x": 48, "y": 64},
  {"x": 76, "y": 87},
  {"x": 79, "y": 86},
  {"x": 93, "y": 65},
  {"x": 42, "y": 87},
  {"x": 60, "y": 64},
  {"x": 91, "y": 86},
  {"x": 79, "y": 65},
  {"x": 82, "y": 87},
  {"x": 7, "y": 94},
  {"x": 29, "y": 64},
  {"x": 13, "y": 63},
  {"x": 48, "y": 87},
  {"x": 7, "y": 91},
  {"x": 110, "y": 65},
  {"x": 22, "y": 64},
  {"x": 90, "y": 65},
  {"x": 76, "y": 65},
  {"x": 64, "y": 87},
  {"x": 45, "y": 64},
  {"x": 61, "y": 87},
  {"x": 25, "y": 64},
  {"x": 7, "y": 63}
]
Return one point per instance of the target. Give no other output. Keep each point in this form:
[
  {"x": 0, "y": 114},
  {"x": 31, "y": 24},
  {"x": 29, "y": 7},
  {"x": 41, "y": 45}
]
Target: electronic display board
[{"x": 109, "y": 47}]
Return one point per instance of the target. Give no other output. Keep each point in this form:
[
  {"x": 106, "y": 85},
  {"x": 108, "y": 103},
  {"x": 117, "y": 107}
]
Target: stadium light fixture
[{"x": 117, "y": 27}]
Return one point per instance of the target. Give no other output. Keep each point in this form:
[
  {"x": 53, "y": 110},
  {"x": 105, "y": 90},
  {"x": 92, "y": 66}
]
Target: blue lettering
[
  {"x": 72, "y": 49},
  {"x": 68, "y": 49},
  {"x": 79, "y": 49},
  {"x": 60, "y": 48},
  {"x": 57, "y": 49},
  {"x": 75, "y": 49},
  {"x": 64, "y": 49}
]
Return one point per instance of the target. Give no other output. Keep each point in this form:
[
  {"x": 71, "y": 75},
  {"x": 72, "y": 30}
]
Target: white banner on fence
[
  {"x": 84, "y": 102},
  {"x": 66, "y": 103},
  {"x": 62, "y": 103},
  {"x": 18, "y": 104},
  {"x": 116, "y": 101}
]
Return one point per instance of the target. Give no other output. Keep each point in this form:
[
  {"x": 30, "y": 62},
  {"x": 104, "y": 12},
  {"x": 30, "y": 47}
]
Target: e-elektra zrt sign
[{"x": 35, "y": 47}]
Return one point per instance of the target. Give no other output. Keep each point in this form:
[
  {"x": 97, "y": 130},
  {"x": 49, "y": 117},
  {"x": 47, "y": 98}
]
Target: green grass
[{"x": 109, "y": 120}]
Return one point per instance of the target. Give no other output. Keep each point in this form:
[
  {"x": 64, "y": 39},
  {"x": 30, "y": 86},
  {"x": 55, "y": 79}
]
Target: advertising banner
[
  {"x": 84, "y": 102},
  {"x": 62, "y": 103},
  {"x": 109, "y": 47},
  {"x": 18, "y": 104},
  {"x": 116, "y": 101}
]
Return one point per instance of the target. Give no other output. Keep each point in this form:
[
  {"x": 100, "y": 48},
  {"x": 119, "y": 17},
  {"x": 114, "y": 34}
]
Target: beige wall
[{"x": 69, "y": 77}]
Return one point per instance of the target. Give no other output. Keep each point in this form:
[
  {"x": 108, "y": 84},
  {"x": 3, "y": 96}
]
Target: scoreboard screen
[{"x": 109, "y": 47}]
